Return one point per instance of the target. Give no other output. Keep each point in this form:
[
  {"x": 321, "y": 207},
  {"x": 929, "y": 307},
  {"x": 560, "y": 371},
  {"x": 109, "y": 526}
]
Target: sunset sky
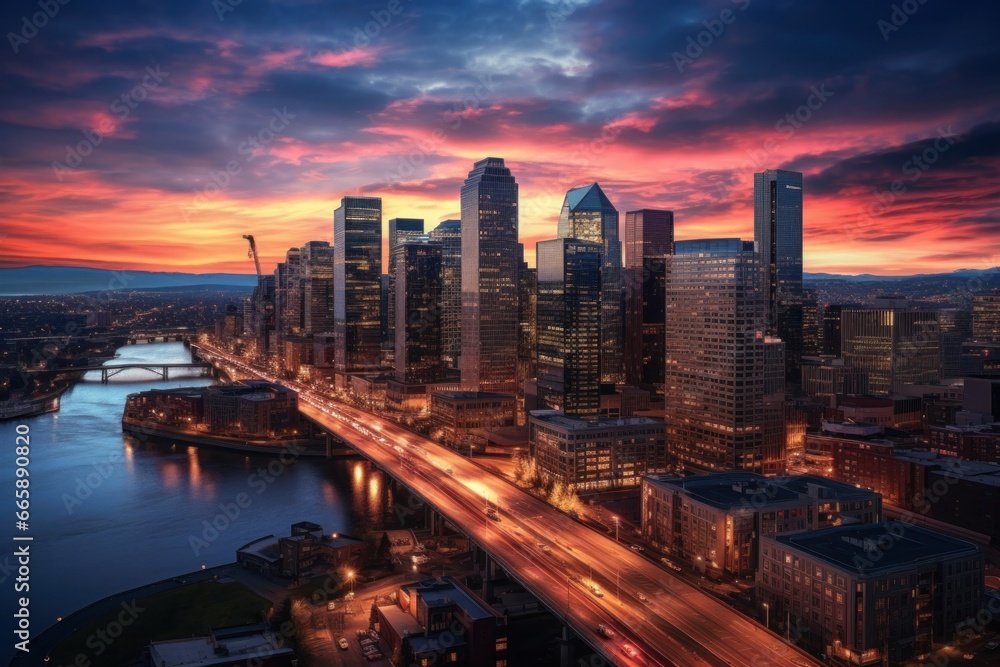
[{"x": 667, "y": 104}]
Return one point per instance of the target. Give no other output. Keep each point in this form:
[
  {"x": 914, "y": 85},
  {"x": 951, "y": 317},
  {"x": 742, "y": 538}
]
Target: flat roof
[
  {"x": 836, "y": 489},
  {"x": 557, "y": 418},
  {"x": 438, "y": 592},
  {"x": 856, "y": 549},
  {"x": 268, "y": 548},
  {"x": 727, "y": 490},
  {"x": 404, "y": 624},
  {"x": 473, "y": 395},
  {"x": 200, "y": 651}
]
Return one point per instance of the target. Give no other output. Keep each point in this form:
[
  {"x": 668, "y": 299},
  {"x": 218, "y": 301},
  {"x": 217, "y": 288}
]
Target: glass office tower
[
  {"x": 588, "y": 215},
  {"x": 449, "y": 233},
  {"x": 569, "y": 326},
  {"x": 777, "y": 225},
  {"x": 357, "y": 304},
  {"x": 489, "y": 278},
  {"x": 648, "y": 238}
]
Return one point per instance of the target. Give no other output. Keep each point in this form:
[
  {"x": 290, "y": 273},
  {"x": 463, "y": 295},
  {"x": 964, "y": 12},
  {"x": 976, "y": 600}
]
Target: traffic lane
[{"x": 502, "y": 488}]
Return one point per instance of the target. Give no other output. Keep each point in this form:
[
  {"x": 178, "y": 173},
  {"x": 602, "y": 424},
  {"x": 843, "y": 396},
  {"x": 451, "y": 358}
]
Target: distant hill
[
  {"x": 933, "y": 289},
  {"x": 33, "y": 280}
]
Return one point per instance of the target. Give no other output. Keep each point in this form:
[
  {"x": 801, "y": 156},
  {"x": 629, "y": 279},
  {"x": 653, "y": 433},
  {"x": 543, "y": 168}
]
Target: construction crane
[
  {"x": 266, "y": 305},
  {"x": 252, "y": 252}
]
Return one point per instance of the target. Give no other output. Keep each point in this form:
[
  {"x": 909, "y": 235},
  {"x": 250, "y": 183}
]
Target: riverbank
[{"x": 300, "y": 447}]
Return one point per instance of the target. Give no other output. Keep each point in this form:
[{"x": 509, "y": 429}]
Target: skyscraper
[
  {"x": 831, "y": 329},
  {"x": 400, "y": 229},
  {"x": 288, "y": 296},
  {"x": 569, "y": 326},
  {"x": 489, "y": 278},
  {"x": 719, "y": 374},
  {"x": 417, "y": 262},
  {"x": 894, "y": 346},
  {"x": 357, "y": 244},
  {"x": 588, "y": 215},
  {"x": 777, "y": 225},
  {"x": 986, "y": 316},
  {"x": 812, "y": 323},
  {"x": 649, "y": 237},
  {"x": 527, "y": 303},
  {"x": 449, "y": 233},
  {"x": 317, "y": 262}
]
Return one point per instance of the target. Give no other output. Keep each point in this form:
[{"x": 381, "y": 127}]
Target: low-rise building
[
  {"x": 455, "y": 413},
  {"x": 714, "y": 522},
  {"x": 239, "y": 644},
  {"x": 596, "y": 455},
  {"x": 440, "y": 621},
  {"x": 869, "y": 594}
]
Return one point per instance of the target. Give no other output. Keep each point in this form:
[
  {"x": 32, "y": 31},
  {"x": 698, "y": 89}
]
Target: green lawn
[{"x": 183, "y": 612}]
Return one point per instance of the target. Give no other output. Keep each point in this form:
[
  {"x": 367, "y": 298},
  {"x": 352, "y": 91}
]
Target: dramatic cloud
[{"x": 153, "y": 135}]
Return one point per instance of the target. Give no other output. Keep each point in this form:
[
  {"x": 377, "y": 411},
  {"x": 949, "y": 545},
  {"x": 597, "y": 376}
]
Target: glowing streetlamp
[
  {"x": 350, "y": 577},
  {"x": 767, "y": 616},
  {"x": 616, "y": 520}
]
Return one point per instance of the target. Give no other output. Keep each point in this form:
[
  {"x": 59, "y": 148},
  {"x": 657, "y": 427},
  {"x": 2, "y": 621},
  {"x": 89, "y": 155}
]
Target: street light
[
  {"x": 350, "y": 577},
  {"x": 615, "y": 519},
  {"x": 767, "y": 616}
]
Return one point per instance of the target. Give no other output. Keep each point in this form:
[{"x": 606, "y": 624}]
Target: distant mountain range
[
  {"x": 867, "y": 277},
  {"x": 33, "y": 280}
]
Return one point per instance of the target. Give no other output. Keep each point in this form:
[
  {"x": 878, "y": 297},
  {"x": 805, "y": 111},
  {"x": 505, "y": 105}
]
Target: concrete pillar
[{"x": 565, "y": 648}]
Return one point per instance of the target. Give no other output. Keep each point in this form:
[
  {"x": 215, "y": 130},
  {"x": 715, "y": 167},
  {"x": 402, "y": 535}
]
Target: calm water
[{"x": 109, "y": 513}]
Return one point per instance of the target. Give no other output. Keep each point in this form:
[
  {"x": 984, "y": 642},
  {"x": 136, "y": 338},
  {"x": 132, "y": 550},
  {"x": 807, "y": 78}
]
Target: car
[
  {"x": 638, "y": 548},
  {"x": 630, "y": 651},
  {"x": 606, "y": 631},
  {"x": 669, "y": 563},
  {"x": 331, "y": 605},
  {"x": 544, "y": 547},
  {"x": 492, "y": 513},
  {"x": 450, "y": 471},
  {"x": 342, "y": 643},
  {"x": 596, "y": 590},
  {"x": 992, "y": 646},
  {"x": 969, "y": 656},
  {"x": 642, "y": 598}
]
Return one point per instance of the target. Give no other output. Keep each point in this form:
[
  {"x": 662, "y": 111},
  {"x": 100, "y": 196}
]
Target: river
[{"x": 109, "y": 512}]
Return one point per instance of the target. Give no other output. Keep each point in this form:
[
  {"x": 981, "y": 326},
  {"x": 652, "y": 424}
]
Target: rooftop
[
  {"x": 470, "y": 395},
  {"x": 441, "y": 592},
  {"x": 856, "y": 549},
  {"x": 232, "y": 645},
  {"x": 557, "y": 418},
  {"x": 727, "y": 490}
]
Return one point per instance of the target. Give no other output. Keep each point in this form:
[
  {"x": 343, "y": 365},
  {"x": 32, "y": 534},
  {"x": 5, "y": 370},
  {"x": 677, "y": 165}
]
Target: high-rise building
[
  {"x": 357, "y": 245},
  {"x": 527, "y": 303},
  {"x": 449, "y": 233},
  {"x": 569, "y": 326},
  {"x": 317, "y": 260},
  {"x": 986, "y": 316},
  {"x": 831, "y": 330},
  {"x": 588, "y": 215},
  {"x": 956, "y": 328},
  {"x": 418, "y": 317},
  {"x": 718, "y": 378},
  {"x": 777, "y": 224},
  {"x": 894, "y": 346},
  {"x": 288, "y": 296},
  {"x": 400, "y": 229},
  {"x": 812, "y": 324},
  {"x": 649, "y": 237},
  {"x": 489, "y": 278}
]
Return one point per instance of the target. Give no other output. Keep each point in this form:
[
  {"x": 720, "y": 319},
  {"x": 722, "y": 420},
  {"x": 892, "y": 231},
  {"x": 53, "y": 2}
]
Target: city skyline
[{"x": 679, "y": 120}]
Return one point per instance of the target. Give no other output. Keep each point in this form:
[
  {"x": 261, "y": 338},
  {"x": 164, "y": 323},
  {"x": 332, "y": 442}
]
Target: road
[{"x": 556, "y": 558}]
